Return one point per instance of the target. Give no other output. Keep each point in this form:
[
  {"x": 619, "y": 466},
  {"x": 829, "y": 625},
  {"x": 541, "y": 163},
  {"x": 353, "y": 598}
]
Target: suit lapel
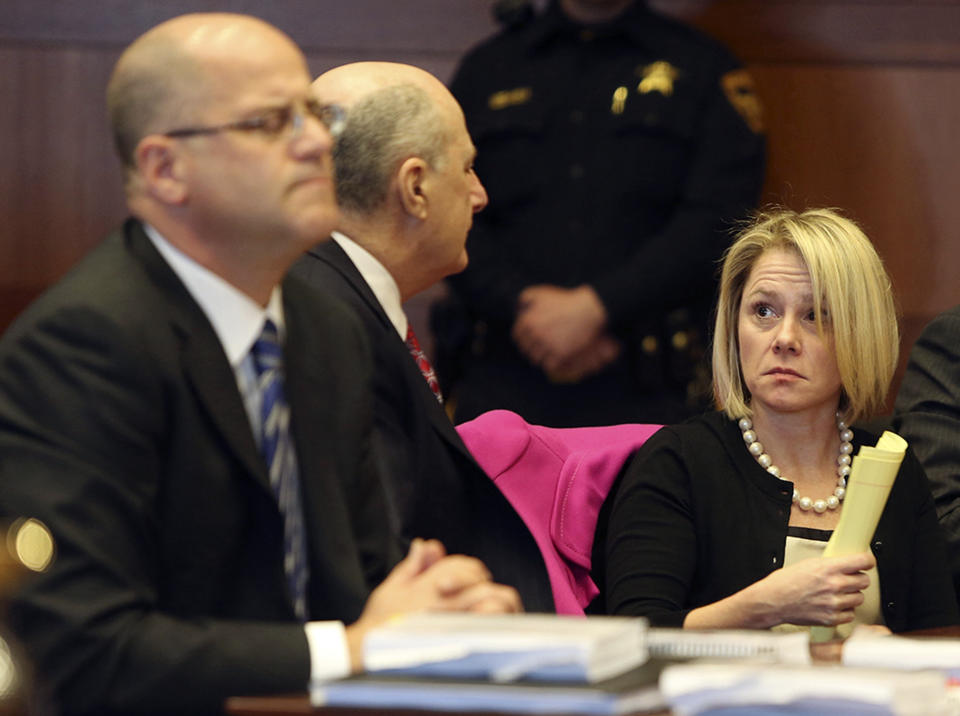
[
  {"x": 312, "y": 352},
  {"x": 216, "y": 388},
  {"x": 337, "y": 258},
  {"x": 331, "y": 254},
  {"x": 202, "y": 359},
  {"x": 438, "y": 417}
]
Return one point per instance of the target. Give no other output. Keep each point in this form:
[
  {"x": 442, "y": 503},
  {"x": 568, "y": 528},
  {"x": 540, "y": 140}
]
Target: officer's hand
[
  {"x": 554, "y": 324},
  {"x": 592, "y": 359}
]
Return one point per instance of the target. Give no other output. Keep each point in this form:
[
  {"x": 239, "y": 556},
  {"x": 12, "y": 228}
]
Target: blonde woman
[{"x": 718, "y": 521}]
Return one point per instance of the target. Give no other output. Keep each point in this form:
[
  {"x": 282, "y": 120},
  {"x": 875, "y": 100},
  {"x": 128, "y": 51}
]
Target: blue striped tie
[{"x": 277, "y": 449}]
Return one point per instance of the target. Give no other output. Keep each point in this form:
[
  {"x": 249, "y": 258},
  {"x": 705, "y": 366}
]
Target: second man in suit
[{"x": 408, "y": 192}]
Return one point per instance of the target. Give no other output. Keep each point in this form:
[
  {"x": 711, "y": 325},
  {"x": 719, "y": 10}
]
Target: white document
[
  {"x": 812, "y": 690},
  {"x": 507, "y": 647},
  {"x": 905, "y": 653}
]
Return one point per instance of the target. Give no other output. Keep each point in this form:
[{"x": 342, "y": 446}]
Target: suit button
[
  {"x": 878, "y": 546},
  {"x": 890, "y": 606},
  {"x": 774, "y": 560}
]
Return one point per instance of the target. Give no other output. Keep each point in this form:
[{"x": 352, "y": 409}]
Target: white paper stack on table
[
  {"x": 744, "y": 689},
  {"x": 887, "y": 651},
  {"x": 535, "y": 663},
  {"x": 907, "y": 654},
  {"x": 507, "y": 647},
  {"x": 524, "y": 663},
  {"x": 635, "y": 691}
]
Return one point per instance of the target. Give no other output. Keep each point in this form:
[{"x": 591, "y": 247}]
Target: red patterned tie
[{"x": 423, "y": 363}]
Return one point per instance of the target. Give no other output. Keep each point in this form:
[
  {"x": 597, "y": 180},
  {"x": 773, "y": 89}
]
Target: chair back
[{"x": 557, "y": 480}]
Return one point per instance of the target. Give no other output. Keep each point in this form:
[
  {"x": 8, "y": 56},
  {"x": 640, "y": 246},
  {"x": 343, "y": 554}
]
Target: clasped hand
[
  {"x": 427, "y": 579},
  {"x": 563, "y": 330}
]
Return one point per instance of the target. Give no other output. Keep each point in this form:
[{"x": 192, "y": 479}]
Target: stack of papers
[
  {"x": 900, "y": 652},
  {"x": 507, "y": 647},
  {"x": 635, "y": 691},
  {"x": 523, "y": 663},
  {"x": 744, "y": 688}
]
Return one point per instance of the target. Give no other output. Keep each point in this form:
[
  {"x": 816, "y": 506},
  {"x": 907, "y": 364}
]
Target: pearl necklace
[{"x": 843, "y": 466}]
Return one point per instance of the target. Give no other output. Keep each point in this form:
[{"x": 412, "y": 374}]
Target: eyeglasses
[{"x": 275, "y": 122}]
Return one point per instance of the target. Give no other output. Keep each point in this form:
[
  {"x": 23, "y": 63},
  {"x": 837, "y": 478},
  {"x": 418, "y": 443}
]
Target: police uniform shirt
[{"x": 613, "y": 155}]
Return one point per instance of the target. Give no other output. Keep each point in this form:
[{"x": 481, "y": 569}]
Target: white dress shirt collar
[
  {"x": 236, "y": 318},
  {"x": 382, "y": 284}
]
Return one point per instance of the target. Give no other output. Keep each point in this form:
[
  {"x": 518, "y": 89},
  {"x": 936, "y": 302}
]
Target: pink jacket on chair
[{"x": 557, "y": 480}]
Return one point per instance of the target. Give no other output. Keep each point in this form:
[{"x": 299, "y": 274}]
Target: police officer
[{"x": 618, "y": 147}]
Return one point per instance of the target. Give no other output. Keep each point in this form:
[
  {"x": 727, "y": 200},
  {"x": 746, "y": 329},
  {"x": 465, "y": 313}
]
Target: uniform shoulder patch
[{"x": 739, "y": 87}]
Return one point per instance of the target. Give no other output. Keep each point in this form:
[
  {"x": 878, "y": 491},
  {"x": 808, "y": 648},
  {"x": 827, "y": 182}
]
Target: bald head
[
  {"x": 347, "y": 84},
  {"x": 162, "y": 80},
  {"x": 394, "y": 112},
  {"x": 223, "y": 154}
]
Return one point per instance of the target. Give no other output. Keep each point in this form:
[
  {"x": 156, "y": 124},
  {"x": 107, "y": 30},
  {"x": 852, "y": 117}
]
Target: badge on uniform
[
  {"x": 739, "y": 87},
  {"x": 509, "y": 98},
  {"x": 658, "y": 76},
  {"x": 619, "y": 100}
]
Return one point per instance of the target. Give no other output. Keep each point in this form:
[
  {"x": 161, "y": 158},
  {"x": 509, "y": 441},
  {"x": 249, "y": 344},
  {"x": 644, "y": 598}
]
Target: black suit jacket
[
  {"x": 927, "y": 414},
  {"x": 438, "y": 488},
  {"x": 121, "y": 427}
]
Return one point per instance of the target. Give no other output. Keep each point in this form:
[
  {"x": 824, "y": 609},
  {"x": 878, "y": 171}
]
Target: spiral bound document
[{"x": 779, "y": 647}]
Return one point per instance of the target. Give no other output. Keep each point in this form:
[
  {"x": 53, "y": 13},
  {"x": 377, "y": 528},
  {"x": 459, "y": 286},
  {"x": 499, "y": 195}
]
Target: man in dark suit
[
  {"x": 193, "y": 427},
  {"x": 407, "y": 192},
  {"x": 927, "y": 415}
]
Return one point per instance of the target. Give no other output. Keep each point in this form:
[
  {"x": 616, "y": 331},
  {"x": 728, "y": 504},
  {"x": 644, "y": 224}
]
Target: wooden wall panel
[
  {"x": 436, "y": 26},
  {"x": 860, "y": 96},
  {"x": 879, "y": 143},
  {"x": 829, "y": 31},
  {"x": 862, "y": 111},
  {"x": 60, "y": 186}
]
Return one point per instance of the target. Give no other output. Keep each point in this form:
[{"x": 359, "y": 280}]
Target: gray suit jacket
[
  {"x": 121, "y": 427},
  {"x": 927, "y": 415}
]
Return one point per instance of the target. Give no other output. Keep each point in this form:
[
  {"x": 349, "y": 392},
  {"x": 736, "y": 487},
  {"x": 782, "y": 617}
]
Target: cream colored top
[{"x": 806, "y": 543}]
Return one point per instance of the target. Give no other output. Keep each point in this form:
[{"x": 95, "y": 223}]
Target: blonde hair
[{"x": 849, "y": 283}]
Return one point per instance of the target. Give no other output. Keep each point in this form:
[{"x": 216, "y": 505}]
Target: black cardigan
[{"x": 696, "y": 519}]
